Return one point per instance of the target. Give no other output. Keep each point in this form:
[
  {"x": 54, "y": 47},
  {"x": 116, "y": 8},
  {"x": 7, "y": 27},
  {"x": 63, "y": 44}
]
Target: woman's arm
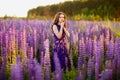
[
  {"x": 67, "y": 33},
  {"x": 56, "y": 32}
]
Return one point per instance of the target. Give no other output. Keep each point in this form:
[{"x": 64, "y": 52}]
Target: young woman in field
[{"x": 60, "y": 46}]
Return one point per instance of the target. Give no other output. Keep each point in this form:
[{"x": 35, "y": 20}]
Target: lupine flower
[
  {"x": 16, "y": 72},
  {"x": 58, "y": 74},
  {"x": 35, "y": 41},
  {"x": 38, "y": 72},
  {"x": 106, "y": 75},
  {"x": 47, "y": 59},
  {"x": 90, "y": 69}
]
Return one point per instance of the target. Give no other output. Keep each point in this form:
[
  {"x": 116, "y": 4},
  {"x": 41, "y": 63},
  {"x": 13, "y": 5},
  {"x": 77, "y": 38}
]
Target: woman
[{"x": 60, "y": 33}]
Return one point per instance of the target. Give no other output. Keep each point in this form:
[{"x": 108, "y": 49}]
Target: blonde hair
[{"x": 56, "y": 18}]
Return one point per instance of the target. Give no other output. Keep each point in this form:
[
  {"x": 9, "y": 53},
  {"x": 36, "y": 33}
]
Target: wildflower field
[{"x": 26, "y": 49}]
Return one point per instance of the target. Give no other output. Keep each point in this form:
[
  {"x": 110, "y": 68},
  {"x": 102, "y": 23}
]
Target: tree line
[{"x": 79, "y": 9}]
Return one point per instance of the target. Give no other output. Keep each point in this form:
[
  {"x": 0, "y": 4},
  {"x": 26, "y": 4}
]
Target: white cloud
[{"x": 20, "y": 7}]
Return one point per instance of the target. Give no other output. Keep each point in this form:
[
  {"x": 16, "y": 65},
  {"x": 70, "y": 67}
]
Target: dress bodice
[{"x": 63, "y": 34}]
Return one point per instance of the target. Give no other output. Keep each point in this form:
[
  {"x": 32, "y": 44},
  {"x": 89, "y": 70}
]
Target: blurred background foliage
[{"x": 95, "y": 10}]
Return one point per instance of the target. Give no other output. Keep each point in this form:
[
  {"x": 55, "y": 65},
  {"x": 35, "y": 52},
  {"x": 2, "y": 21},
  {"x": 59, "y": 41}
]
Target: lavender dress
[{"x": 59, "y": 48}]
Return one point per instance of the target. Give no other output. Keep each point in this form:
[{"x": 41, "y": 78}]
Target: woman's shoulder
[{"x": 54, "y": 27}]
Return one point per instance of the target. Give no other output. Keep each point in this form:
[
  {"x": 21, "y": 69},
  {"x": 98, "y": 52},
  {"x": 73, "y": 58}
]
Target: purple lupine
[
  {"x": 114, "y": 62},
  {"x": 94, "y": 45},
  {"x": 107, "y": 38},
  {"x": 106, "y": 75},
  {"x": 58, "y": 74},
  {"x": 13, "y": 47},
  {"x": 110, "y": 50},
  {"x": 42, "y": 58},
  {"x": 30, "y": 69},
  {"x": 10, "y": 45},
  {"x": 108, "y": 64},
  {"x": 6, "y": 41},
  {"x": 79, "y": 55},
  {"x": 96, "y": 71},
  {"x": 84, "y": 70},
  {"x": 75, "y": 39},
  {"x": 3, "y": 64},
  {"x": 86, "y": 42},
  {"x": 118, "y": 59},
  {"x": 79, "y": 77},
  {"x": 0, "y": 41},
  {"x": 23, "y": 42},
  {"x": 83, "y": 51},
  {"x": 99, "y": 55},
  {"x": 71, "y": 60},
  {"x": 102, "y": 43},
  {"x": 18, "y": 60},
  {"x": 19, "y": 40},
  {"x": 90, "y": 69},
  {"x": 16, "y": 72},
  {"x": 114, "y": 68},
  {"x": 13, "y": 43},
  {"x": 38, "y": 72},
  {"x": 101, "y": 48},
  {"x": 97, "y": 60},
  {"x": 35, "y": 41},
  {"x": 90, "y": 48},
  {"x": 31, "y": 52},
  {"x": 4, "y": 56},
  {"x": 47, "y": 59},
  {"x": 16, "y": 36},
  {"x": 81, "y": 58}
]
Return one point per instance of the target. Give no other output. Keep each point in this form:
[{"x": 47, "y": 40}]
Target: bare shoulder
[{"x": 54, "y": 27}]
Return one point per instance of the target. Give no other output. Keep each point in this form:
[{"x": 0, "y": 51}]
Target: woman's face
[{"x": 61, "y": 18}]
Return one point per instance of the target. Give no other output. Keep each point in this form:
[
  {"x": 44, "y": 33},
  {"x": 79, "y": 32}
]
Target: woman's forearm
[
  {"x": 58, "y": 33},
  {"x": 66, "y": 32}
]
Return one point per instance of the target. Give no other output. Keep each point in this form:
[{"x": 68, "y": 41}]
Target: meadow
[{"x": 26, "y": 49}]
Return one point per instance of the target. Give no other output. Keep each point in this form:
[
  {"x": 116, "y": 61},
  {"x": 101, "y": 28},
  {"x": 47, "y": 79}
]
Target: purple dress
[{"x": 59, "y": 48}]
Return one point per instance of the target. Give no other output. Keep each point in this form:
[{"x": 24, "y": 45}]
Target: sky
[{"x": 19, "y": 8}]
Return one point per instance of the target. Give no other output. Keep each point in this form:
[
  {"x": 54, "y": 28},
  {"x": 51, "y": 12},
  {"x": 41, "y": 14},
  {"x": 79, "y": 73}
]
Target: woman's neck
[{"x": 58, "y": 23}]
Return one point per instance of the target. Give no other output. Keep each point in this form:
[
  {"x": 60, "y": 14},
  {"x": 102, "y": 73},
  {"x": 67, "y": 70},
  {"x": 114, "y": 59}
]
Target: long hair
[{"x": 56, "y": 19}]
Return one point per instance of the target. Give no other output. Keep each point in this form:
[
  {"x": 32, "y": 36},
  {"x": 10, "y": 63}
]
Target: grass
[{"x": 70, "y": 75}]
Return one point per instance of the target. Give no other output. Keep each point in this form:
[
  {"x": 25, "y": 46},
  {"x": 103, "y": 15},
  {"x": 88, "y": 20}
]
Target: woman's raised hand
[{"x": 62, "y": 24}]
